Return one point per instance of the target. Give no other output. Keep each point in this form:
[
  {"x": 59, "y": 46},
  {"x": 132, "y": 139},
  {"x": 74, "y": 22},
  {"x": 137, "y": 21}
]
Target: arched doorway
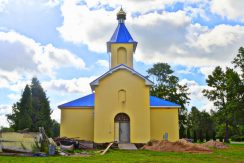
[{"x": 122, "y": 128}]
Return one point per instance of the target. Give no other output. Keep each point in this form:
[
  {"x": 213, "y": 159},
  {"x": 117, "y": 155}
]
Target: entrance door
[
  {"x": 122, "y": 128},
  {"x": 124, "y": 132}
]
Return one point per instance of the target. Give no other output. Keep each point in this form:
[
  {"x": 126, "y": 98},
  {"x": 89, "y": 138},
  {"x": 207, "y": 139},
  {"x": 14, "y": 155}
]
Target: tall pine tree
[
  {"x": 32, "y": 111},
  {"x": 41, "y": 109},
  {"x": 21, "y": 118}
]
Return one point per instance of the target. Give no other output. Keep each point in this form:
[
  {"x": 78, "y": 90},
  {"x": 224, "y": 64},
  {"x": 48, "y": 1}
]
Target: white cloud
[
  {"x": 220, "y": 36},
  {"x": 3, "y": 121},
  {"x": 162, "y": 37},
  {"x": 95, "y": 27},
  {"x": 53, "y": 3},
  {"x": 196, "y": 95},
  {"x": 56, "y": 114},
  {"x": 22, "y": 56},
  {"x": 3, "y": 3},
  {"x": 232, "y": 9},
  {"x": 82, "y": 25},
  {"x": 141, "y": 6},
  {"x": 75, "y": 85},
  {"x": 103, "y": 63},
  {"x": 4, "y": 109},
  {"x": 189, "y": 45},
  {"x": 14, "y": 96}
]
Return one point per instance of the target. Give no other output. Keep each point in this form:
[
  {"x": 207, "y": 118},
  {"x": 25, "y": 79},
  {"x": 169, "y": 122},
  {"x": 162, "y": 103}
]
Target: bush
[
  {"x": 237, "y": 138},
  {"x": 6, "y": 129}
]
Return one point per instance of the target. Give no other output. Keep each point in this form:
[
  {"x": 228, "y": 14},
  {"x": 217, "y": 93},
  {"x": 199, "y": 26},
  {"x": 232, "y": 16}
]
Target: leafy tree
[
  {"x": 224, "y": 94},
  {"x": 188, "y": 133},
  {"x": 200, "y": 135},
  {"x": 207, "y": 136},
  {"x": 239, "y": 60},
  {"x": 6, "y": 129},
  {"x": 194, "y": 121},
  {"x": 13, "y": 118},
  {"x": 167, "y": 87},
  {"x": 214, "y": 135},
  {"x": 201, "y": 123},
  {"x": 55, "y": 130},
  {"x": 194, "y": 136},
  {"x": 239, "y": 113}
]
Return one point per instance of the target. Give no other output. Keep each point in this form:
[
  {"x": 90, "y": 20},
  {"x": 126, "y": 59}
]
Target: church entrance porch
[{"x": 122, "y": 128}]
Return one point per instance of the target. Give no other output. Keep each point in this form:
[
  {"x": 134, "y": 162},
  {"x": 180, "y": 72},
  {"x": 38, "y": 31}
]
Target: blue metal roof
[
  {"x": 158, "y": 102},
  {"x": 121, "y": 35},
  {"x": 86, "y": 101},
  {"x": 89, "y": 100}
]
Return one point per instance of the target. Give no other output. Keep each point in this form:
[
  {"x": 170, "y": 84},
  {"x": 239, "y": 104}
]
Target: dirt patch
[
  {"x": 178, "y": 146},
  {"x": 215, "y": 144}
]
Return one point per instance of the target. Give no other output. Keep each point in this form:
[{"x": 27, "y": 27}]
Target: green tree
[
  {"x": 55, "y": 130},
  {"x": 41, "y": 108},
  {"x": 194, "y": 136},
  {"x": 224, "y": 94},
  {"x": 167, "y": 87},
  {"x": 32, "y": 111},
  {"x": 201, "y": 123},
  {"x": 239, "y": 60},
  {"x": 21, "y": 119},
  {"x": 239, "y": 113},
  {"x": 6, "y": 129},
  {"x": 194, "y": 121}
]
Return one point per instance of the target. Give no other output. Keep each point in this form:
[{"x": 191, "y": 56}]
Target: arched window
[
  {"x": 122, "y": 96},
  {"x": 122, "y": 56},
  {"x": 121, "y": 117}
]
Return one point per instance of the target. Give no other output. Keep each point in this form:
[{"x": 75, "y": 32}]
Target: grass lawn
[{"x": 235, "y": 153}]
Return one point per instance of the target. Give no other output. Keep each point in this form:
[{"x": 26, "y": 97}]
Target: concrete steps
[{"x": 127, "y": 146}]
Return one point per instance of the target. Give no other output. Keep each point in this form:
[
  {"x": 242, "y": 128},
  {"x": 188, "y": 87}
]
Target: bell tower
[{"x": 121, "y": 46}]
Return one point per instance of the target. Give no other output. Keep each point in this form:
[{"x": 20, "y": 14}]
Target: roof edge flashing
[
  {"x": 121, "y": 66},
  {"x": 165, "y": 106}
]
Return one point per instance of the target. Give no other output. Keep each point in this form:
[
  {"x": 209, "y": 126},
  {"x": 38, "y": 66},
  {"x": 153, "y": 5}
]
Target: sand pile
[
  {"x": 179, "y": 146},
  {"x": 215, "y": 144}
]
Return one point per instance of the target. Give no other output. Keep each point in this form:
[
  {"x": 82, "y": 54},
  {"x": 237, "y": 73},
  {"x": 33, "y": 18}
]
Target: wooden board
[{"x": 110, "y": 144}]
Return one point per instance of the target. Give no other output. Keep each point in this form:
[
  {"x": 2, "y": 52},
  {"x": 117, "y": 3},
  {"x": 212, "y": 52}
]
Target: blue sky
[{"x": 63, "y": 43}]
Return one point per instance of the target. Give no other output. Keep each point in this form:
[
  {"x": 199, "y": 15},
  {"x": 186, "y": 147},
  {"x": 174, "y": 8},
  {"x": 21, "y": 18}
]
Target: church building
[{"x": 120, "y": 109}]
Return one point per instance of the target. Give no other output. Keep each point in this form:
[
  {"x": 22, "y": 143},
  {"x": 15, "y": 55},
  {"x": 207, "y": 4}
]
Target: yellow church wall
[
  {"x": 164, "y": 120},
  {"x": 122, "y": 54},
  {"x": 77, "y": 122},
  {"x": 135, "y": 103}
]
